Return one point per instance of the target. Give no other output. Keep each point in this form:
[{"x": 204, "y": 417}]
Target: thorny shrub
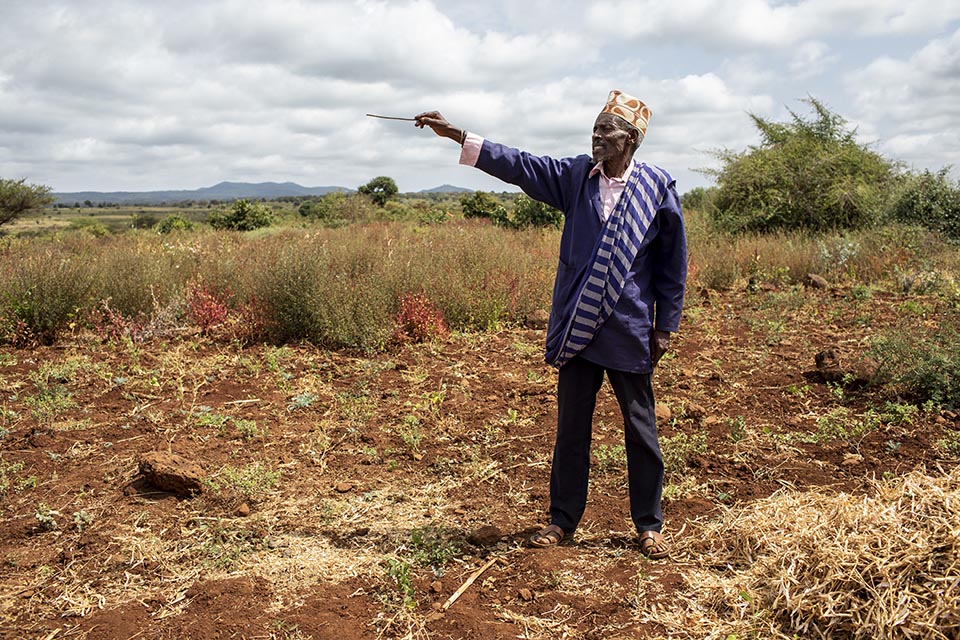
[{"x": 418, "y": 319}]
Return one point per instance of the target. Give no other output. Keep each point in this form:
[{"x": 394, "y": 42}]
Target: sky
[{"x": 139, "y": 95}]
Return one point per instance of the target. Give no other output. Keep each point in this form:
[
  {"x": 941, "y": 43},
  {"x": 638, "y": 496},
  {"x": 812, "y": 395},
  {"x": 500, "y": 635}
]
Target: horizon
[{"x": 112, "y": 95}]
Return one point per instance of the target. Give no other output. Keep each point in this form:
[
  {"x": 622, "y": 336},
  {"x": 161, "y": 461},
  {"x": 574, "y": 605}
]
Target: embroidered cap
[{"x": 629, "y": 109}]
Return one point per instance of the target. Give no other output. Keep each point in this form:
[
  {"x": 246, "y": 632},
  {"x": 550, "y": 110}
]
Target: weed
[
  {"x": 433, "y": 547},
  {"x": 247, "y": 428},
  {"x": 8, "y": 471},
  {"x": 410, "y": 432},
  {"x": 216, "y": 420},
  {"x": 949, "y": 443},
  {"x": 46, "y": 516},
  {"x": 738, "y": 428},
  {"x": 302, "y": 401},
  {"x": 249, "y": 483},
  {"x": 895, "y": 413},
  {"x": 841, "y": 424},
  {"x": 398, "y": 571},
  {"x": 678, "y": 449},
  {"x": 418, "y": 319},
  {"x": 49, "y": 403},
  {"x": 610, "y": 457},
  {"x": 926, "y": 363},
  {"x": 81, "y": 520}
]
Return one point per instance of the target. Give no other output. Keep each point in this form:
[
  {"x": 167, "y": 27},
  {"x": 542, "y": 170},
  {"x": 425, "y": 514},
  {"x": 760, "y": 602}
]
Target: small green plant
[
  {"x": 433, "y": 547},
  {"x": 46, "y": 516},
  {"x": 738, "y": 428},
  {"x": 250, "y": 483},
  {"x": 398, "y": 571},
  {"x": 949, "y": 442},
  {"x": 895, "y": 413},
  {"x": 48, "y": 403},
  {"x": 610, "y": 457},
  {"x": 247, "y": 428},
  {"x": 410, "y": 432},
  {"x": 81, "y": 520},
  {"x": 678, "y": 449},
  {"x": 216, "y": 420},
  {"x": 842, "y": 424},
  {"x": 8, "y": 472},
  {"x": 302, "y": 401}
]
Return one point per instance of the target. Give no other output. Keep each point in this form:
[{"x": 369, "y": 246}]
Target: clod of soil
[{"x": 170, "y": 472}]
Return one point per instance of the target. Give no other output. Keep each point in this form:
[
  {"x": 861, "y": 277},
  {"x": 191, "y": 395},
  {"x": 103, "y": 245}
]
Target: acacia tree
[
  {"x": 17, "y": 198},
  {"x": 380, "y": 189},
  {"x": 805, "y": 174}
]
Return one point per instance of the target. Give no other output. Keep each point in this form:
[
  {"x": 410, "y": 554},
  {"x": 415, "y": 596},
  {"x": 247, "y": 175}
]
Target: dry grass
[{"x": 816, "y": 565}]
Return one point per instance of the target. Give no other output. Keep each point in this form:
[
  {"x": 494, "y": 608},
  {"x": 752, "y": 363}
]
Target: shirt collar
[{"x": 598, "y": 168}]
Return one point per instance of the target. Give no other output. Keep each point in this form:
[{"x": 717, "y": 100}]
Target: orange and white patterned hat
[{"x": 628, "y": 108}]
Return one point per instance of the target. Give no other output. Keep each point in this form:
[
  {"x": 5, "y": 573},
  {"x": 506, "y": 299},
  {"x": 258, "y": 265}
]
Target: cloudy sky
[{"x": 180, "y": 94}]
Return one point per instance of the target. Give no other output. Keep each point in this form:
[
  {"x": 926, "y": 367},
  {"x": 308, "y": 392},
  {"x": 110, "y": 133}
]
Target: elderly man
[{"x": 617, "y": 298}]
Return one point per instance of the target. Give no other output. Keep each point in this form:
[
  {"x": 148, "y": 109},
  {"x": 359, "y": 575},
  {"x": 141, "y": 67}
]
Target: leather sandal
[
  {"x": 653, "y": 545},
  {"x": 550, "y": 536}
]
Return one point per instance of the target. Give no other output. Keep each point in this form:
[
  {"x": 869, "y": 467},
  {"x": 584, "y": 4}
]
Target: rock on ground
[{"x": 170, "y": 472}]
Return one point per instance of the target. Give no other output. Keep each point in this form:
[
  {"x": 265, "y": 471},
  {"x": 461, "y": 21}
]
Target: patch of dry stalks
[{"x": 815, "y": 565}]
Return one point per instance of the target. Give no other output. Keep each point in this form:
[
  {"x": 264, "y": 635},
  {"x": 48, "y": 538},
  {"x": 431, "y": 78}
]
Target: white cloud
[
  {"x": 912, "y": 106},
  {"x": 742, "y": 24},
  {"x": 136, "y": 94}
]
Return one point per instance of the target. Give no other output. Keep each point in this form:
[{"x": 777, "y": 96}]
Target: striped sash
[{"x": 613, "y": 255}]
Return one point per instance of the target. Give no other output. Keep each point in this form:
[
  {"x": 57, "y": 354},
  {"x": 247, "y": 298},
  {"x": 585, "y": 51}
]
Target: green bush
[
  {"x": 805, "y": 174},
  {"x": 925, "y": 363},
  {"x": 174, "y": 222},
  {"x": 699, "y": 198},
  {"x": 481, "y": 204},
  {"x": 242, "y": 216},
  {"x": 929, "y": 200},
  {"x": 533, "y": 213}
]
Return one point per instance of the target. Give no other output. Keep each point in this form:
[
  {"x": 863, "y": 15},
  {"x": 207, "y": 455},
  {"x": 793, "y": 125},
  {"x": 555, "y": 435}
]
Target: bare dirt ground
[{"x": 348, "y": 496}]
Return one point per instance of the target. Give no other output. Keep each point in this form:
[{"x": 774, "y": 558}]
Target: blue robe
[{"x": 653, "y": 293}]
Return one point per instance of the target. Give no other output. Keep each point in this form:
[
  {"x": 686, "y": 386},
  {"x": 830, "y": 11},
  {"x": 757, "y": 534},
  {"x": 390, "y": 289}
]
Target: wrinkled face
[{"x": 609, "y": 140}]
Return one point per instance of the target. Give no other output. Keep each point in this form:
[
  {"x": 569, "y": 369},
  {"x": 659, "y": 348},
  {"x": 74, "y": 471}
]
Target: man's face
[{"x": 609, "y": 141}]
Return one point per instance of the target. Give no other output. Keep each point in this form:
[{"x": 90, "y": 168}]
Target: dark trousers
[{"x": 579, "y": 382}]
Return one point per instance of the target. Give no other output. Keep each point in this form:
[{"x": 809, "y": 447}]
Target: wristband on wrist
[{"x": 463, "y": 136}]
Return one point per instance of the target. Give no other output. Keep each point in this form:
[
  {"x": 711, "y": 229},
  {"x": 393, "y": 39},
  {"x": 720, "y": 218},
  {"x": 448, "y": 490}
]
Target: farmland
[{"x": 348, "y": 488}]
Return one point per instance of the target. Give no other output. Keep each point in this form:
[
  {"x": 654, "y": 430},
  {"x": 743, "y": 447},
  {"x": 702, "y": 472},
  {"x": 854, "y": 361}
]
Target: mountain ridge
[{"x": 226, "y": 190}]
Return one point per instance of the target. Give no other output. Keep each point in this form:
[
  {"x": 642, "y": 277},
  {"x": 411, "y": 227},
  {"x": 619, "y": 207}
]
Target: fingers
[{"x": 429, "y": 119}]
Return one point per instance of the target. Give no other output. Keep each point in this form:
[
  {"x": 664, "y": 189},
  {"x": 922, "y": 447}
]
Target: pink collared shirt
[{"x": 610, "y": 188}]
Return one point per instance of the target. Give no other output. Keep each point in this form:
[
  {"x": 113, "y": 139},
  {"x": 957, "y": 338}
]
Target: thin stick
[
  {"x": 373, "y": 115},
  {"x": 466, "y": 585}
]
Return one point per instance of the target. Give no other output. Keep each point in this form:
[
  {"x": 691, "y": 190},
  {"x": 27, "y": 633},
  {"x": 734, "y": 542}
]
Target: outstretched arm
[{"x": 440, "y": 126}]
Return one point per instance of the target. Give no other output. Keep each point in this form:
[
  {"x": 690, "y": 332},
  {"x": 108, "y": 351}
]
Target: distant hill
[
  {"x": 222, "y": 191},
  {"x": 447, "y": 188}
]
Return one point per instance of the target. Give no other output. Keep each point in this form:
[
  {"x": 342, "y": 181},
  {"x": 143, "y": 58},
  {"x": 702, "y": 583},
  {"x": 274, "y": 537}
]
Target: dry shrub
[
  {"x": 418, "y": 319},
  {"x": 814, "y": 565}
]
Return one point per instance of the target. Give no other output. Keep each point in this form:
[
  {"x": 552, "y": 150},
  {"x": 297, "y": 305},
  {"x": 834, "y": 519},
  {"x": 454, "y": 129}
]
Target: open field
[{"x": 349, "y": 495}]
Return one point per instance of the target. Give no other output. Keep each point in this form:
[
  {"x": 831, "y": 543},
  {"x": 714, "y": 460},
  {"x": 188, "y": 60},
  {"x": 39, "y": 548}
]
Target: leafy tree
[
  {"x": 328, "y": 208},
  {"x": 481, "y": 204},
  {"x": 698, "y": 198},
  {"x": 528, "y": 212},
  {"x": 930, "y": 200},
  {"x": 242, "y": 216},
  {"x": 17, "y": 198},
  {"x": 805, "y": 174},
  {"x": 380, "y": 189}
]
